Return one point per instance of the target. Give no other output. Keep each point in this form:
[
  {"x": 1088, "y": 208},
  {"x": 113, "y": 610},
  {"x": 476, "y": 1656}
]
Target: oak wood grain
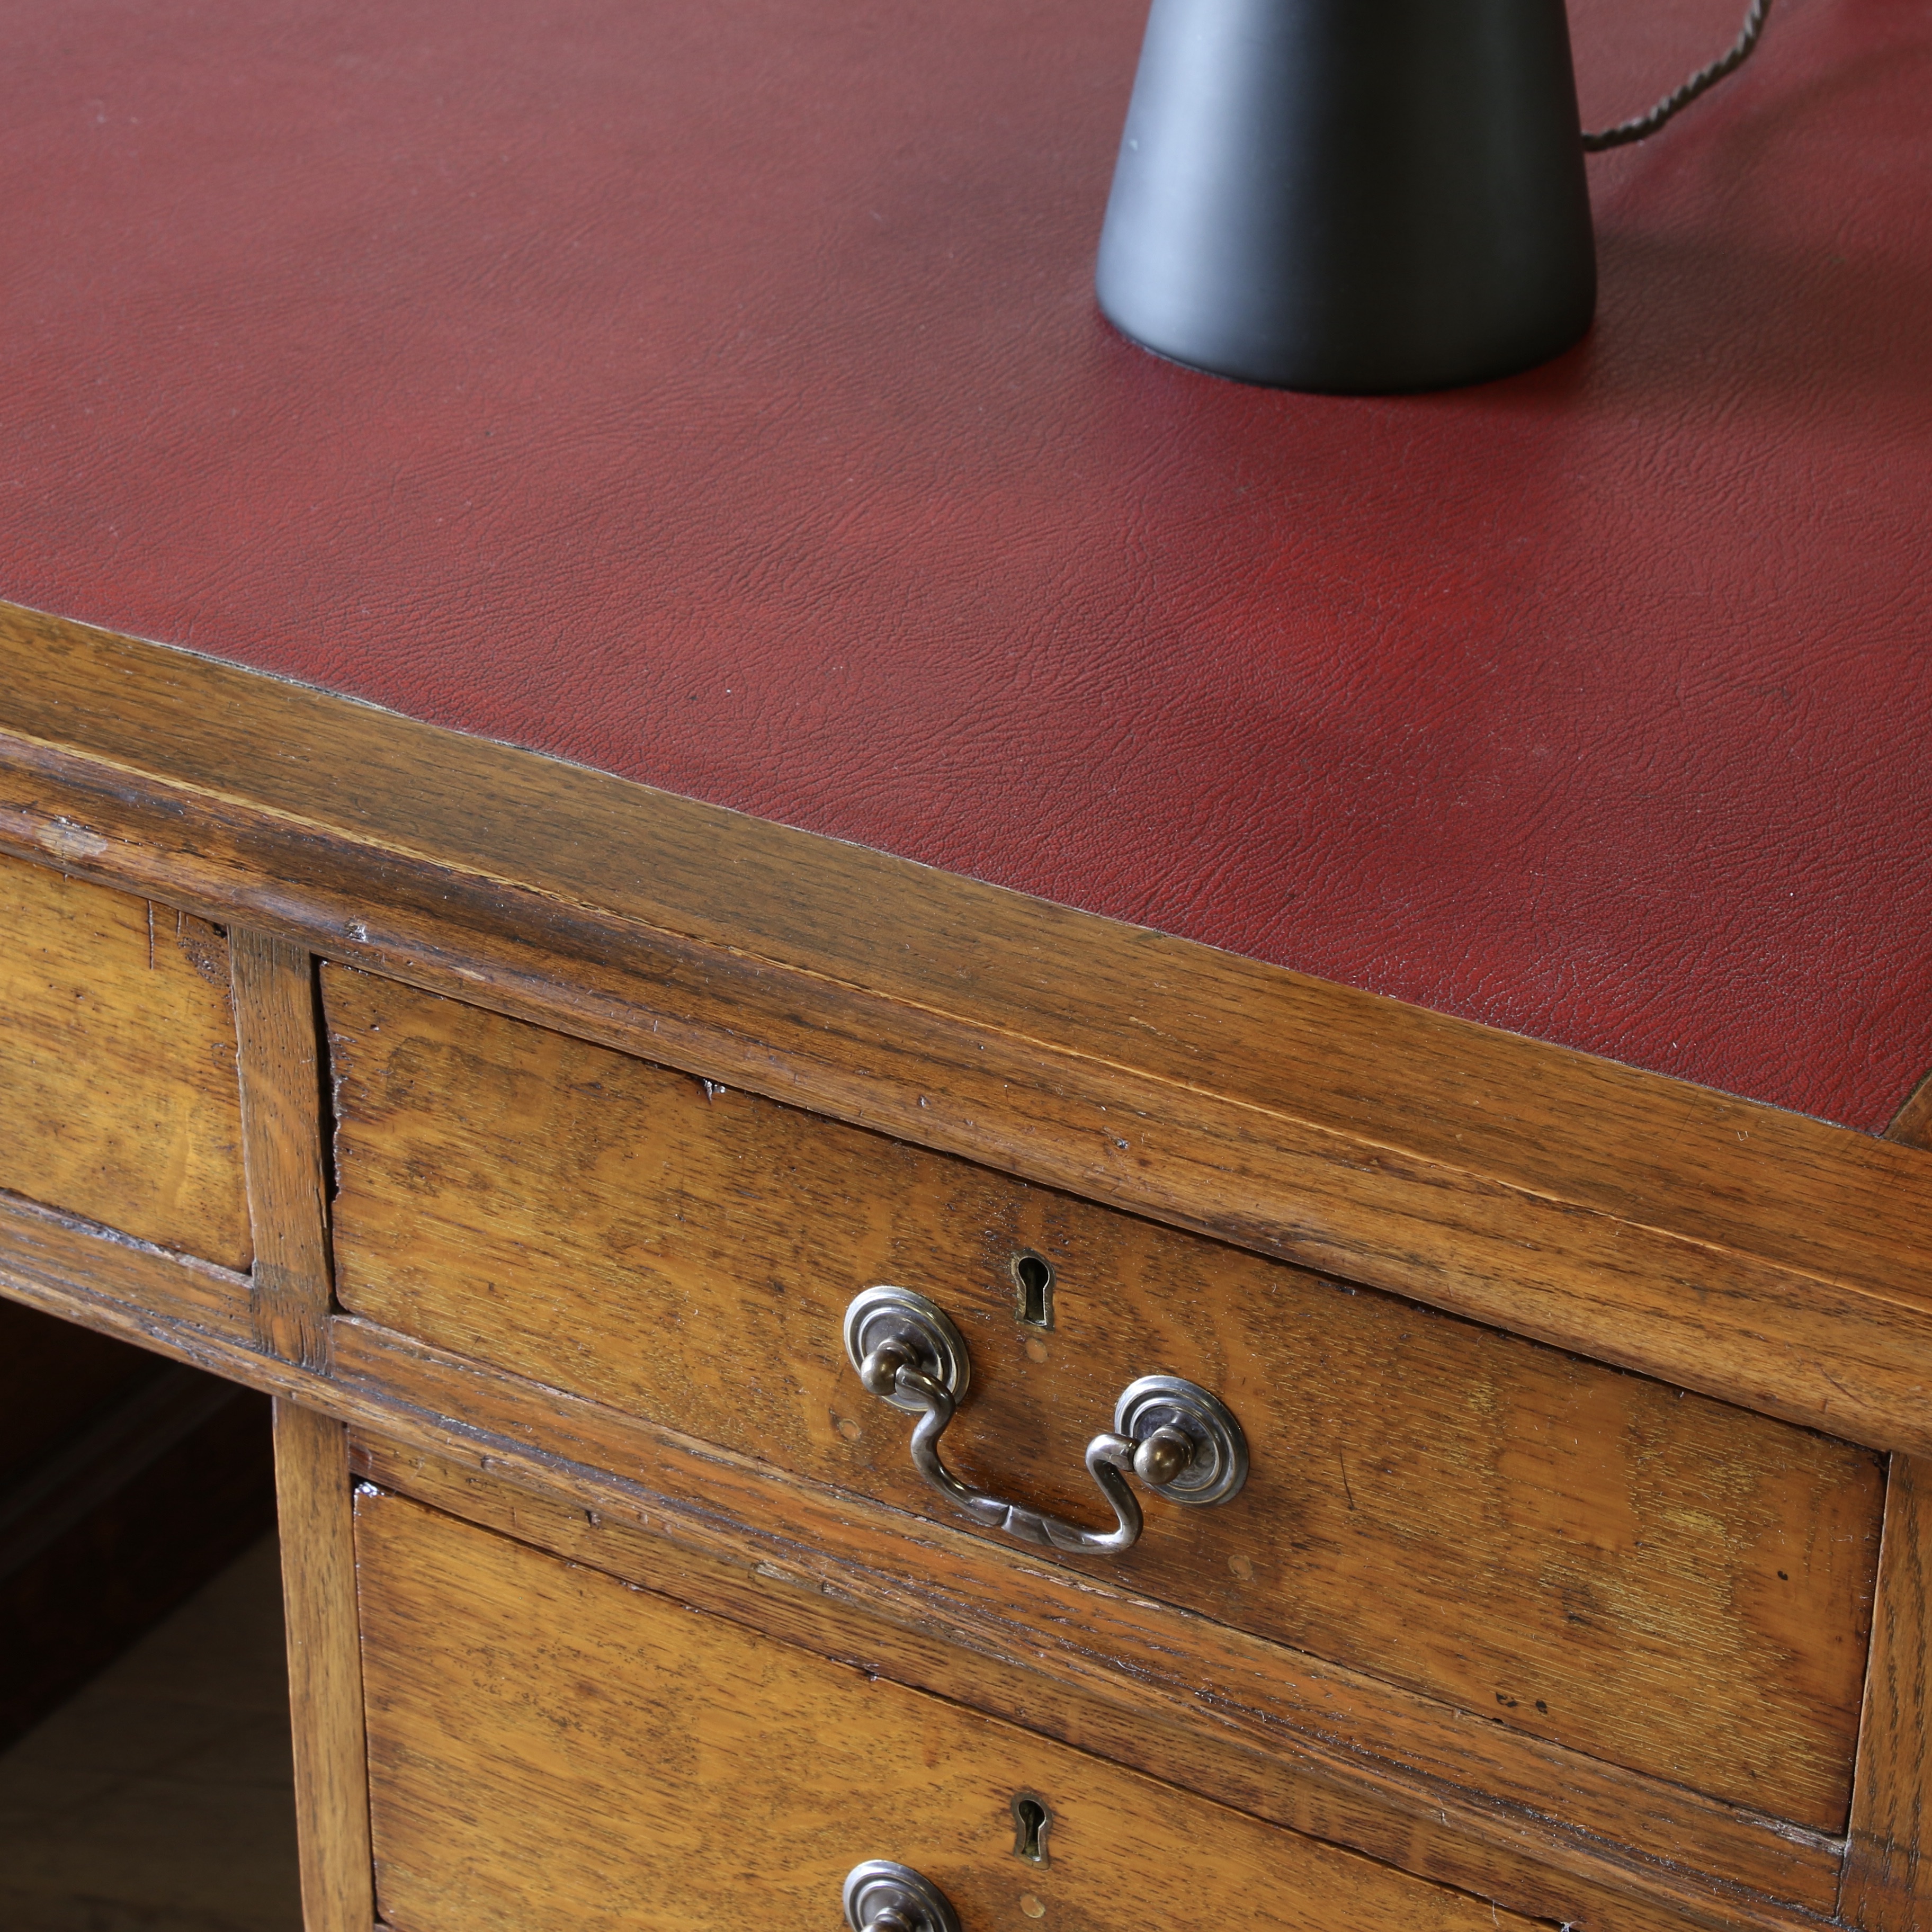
[
  {"x": 1883, "y": 1890},
  {"x": 1400, "y": 1749},
  {"x": 96, "y": 1266},
  {"x": 281, "y": 1079},
  {"x": 770, "y": 1599},
  {"x": 1911, "y": 1125},
  {"x": 118, "y": 1098},
  {"x": 1383, "y": 1748},
  {"x": 319, "y": 1597},
  {"x": 1461, "y": 1094},
  {"x": 549, "y": 1748},
  {"x": 1653, "y": 1578},
  {"x": 1888, "y": 1882},
  {"x": 1767, "y": 1259}
]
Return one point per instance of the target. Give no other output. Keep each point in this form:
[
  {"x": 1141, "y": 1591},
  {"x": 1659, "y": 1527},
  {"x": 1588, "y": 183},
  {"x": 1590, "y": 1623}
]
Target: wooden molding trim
[
  {"x": 1888, "y": 1879},
  {"x": 1396, "y": 1751},
  {"x": 65, "y": 1254},
  {"x": 1911, "y": 1125},
  {"x": 1756, "y": 1256},
  {"x": 1887, "y": 1885},
  {"x": 524, "y": 1711},
  {"x": 312, "y": 1482},
  {"x": 1425, "y": 1756}
]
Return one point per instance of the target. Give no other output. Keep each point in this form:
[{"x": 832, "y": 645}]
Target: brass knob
[
  {"x": 1164, "y": 1456},
  {"x": 880, "y": 1370}
]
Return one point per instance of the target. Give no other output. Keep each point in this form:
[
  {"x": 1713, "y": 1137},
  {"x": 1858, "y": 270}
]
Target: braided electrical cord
[{"x": 1704, "y": 78}]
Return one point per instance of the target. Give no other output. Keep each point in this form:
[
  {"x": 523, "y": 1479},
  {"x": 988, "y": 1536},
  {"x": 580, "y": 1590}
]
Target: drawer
[
  {"x": 1665, "y": 1583},
  {"x": 551, "y": 1749},
  {"x": 118, "y": 1099}
]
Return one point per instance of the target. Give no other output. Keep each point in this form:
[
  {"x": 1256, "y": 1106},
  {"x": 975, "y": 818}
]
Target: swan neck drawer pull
[
  {"x": 882, "y": 1897},
  {"x": 1182, "y": 1442}
]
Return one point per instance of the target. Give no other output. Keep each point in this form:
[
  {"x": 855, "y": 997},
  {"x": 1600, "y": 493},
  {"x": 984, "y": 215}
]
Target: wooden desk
[{"x": 526, "y": 1127}]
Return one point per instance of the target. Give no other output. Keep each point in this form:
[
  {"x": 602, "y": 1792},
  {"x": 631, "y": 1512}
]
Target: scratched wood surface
[
  {"x": 550, "y": 1748},
  {"x": 1663, "y": 1582},
  {"x": 118, "y": 1093},
  {"x": 1374, "y": 1747},
  {"x": 769, "y": 1598},
  {"x": 1097, "y": 1633},
  {"x": 276, "y": 1025},
  {"x": 155, "y": 1289}
]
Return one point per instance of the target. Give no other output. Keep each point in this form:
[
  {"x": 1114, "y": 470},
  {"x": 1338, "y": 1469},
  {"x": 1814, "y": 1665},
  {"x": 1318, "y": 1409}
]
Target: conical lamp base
[{"x": 1358, "y": 196}]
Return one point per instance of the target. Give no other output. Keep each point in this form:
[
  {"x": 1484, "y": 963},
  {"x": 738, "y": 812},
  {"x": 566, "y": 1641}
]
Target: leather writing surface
[{"x": 714, "y": 394}]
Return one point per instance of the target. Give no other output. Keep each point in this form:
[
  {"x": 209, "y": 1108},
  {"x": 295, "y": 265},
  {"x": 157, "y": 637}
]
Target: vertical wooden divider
[
  {"x": 312, "y": 1483},
  {"x": 1887, "y": 1885},
  {"x": 278, "y": 1036}
]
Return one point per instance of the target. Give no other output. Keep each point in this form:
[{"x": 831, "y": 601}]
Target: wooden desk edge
[{"x": 1754, "y": 1254}]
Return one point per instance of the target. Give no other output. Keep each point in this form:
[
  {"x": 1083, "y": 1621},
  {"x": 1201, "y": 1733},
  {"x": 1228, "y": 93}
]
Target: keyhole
[
  {"x": 1032, "y": 1821},
  {"x": 1032, "y": 1277}
]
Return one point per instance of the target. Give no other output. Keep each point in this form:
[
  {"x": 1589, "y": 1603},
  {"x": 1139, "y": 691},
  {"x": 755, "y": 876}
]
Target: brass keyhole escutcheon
[
  {"x": 1033, "y": 1820},
  {"x": 1032, "y": 1290}
]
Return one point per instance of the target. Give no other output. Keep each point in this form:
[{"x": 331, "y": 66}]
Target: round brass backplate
[
  {"x": 1220, "y": 1464},
  {"x": 887, "y": 1314}
]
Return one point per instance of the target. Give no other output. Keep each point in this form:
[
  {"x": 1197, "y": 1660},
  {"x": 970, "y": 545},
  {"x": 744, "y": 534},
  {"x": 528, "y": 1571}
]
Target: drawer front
[
  {"x": 118, "y": 1099},
  {"x": 1668, "y": 1583},
  {"x": 549, "y": 1748}
]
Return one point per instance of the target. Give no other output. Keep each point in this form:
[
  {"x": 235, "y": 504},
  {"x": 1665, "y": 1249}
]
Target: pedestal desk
[{"x": 713, "y": 742}]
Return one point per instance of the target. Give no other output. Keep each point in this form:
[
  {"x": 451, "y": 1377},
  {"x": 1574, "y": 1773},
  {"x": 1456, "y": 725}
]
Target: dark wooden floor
[{"x": 160, "y": 1798}]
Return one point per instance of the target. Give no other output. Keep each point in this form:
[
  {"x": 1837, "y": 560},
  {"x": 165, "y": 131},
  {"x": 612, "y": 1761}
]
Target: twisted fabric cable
[{"x": 1705, "y": 78}]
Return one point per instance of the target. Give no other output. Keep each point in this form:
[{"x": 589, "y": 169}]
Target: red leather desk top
[{"x": 713, "y": 393}]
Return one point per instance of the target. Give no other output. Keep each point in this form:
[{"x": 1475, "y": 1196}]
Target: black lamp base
[{"x": 1361, "y": 196}]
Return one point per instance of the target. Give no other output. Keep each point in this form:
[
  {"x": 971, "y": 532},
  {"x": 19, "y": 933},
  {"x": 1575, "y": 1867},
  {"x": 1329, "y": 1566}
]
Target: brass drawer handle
[
  {"x": 882, "y": 1897},
  {"x": 1181, "y": 1441}
]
